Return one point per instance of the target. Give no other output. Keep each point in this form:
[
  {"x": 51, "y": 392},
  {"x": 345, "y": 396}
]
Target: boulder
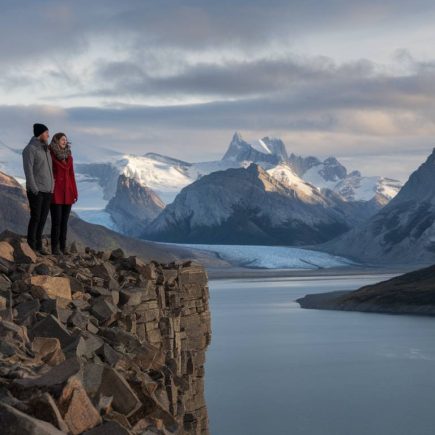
[
  {"x": 56, "y": 376},
  {"x": 78, "y": 411},
  {"x": 45, "y": 408},
  {"x": 125, "y": 400},
  {"x": 49, "y": 350},
  {"x": 51, "y": 327},
  {"x": 6, "y": 251},
  {"x": 45, "y": 286},
  {"x": 14, "y": 422}
]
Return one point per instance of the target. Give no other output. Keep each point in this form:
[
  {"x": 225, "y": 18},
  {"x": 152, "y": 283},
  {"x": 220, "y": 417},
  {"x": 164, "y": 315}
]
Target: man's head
[{"x": 40, "y": 131}]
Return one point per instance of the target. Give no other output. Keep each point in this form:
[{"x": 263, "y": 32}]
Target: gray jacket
[{"x": 38, "y": 167}]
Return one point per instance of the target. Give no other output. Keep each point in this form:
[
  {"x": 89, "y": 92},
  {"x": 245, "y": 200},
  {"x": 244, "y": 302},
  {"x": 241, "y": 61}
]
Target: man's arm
[{"x": 28, "y": 160}]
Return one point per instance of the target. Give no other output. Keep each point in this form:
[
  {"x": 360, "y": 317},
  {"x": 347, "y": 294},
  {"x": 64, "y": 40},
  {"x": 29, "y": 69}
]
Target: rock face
[
  {"x": 107, "y": 344},
  {"x": 134, "y": 206},
  {"x": 411, "y": 293},
  {"x": 401, "y": 232},
  {"x": 248, "y": 206}
]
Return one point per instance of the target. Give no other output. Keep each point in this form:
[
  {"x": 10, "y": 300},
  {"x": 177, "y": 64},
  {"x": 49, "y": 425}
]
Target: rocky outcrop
[
  {"x": 411, "y": 293},
  {"x": 101, "y": 343},
  {"x": 248, "y": 206},
  {"x": 134, "y": 206}
]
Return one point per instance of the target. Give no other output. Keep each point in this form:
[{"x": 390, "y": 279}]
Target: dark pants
[
  {"x": 39, "y": 207},
  {"x": 59, "y": 225}
]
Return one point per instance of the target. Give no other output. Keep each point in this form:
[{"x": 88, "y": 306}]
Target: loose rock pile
[{"x": 100, "y": 343}]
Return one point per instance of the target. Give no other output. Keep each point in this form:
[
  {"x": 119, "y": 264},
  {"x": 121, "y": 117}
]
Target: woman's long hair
[{"x": 56, "y": 138}]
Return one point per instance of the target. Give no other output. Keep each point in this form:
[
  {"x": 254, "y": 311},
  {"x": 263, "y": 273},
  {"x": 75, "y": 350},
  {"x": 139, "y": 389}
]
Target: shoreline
[{"x": 249, "y": 273}]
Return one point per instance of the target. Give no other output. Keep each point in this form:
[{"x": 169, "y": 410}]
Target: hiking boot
[
  {"x": 42, "y": 251},
  {"x": 55, "y": 251},
  {"x": 64, "y": 251}
]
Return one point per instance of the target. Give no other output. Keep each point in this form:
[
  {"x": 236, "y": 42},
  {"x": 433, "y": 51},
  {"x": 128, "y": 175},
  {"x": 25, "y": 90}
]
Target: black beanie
[{"x": 38, "y": 129}]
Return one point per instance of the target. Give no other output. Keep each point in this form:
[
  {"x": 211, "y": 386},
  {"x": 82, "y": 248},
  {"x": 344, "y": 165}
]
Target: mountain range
[
  {"x": 351, "y": 195},
  {"x": 278, "y": 199},
  {"x": 257, "y": 193}
]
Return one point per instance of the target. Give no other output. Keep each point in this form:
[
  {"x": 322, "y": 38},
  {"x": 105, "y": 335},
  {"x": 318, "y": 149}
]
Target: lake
[{"x": 273, "y": 368}]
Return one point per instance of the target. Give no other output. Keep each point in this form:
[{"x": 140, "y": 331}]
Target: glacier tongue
[{"x": 273, "y": 257}]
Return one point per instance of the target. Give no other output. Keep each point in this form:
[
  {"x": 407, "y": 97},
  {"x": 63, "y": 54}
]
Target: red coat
[{"x": 65, "y": 187}]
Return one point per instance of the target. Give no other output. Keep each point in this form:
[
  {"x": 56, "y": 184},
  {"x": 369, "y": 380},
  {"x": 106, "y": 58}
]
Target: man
[{"x": 38, "y": 169}]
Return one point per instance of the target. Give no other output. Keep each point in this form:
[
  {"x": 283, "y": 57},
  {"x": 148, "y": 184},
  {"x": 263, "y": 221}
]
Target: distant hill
[{"x": 411, "y": 293}]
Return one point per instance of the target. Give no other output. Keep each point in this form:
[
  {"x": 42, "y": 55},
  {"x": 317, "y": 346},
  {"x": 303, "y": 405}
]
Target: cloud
[{"x": 180, "y": 77}]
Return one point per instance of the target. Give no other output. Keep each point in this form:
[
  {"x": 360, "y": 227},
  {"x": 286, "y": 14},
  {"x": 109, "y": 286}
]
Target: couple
[{"x": 50, "y": 186}]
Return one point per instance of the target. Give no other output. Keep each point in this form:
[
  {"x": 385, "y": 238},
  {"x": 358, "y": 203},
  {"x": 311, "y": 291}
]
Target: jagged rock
[
  {"x": 6, "y": 251},
  {"x": 26, "y": 311},
  {"x": 108, "y": 354},
  {"x": 78, "y": 319},
  {"x": 78, "y": 411},
  {"x": 15, "y": 422},
  {"x": 131, "y": 297},
  {"x": 51, "y": 327},
  {"x": 104, "y": 311},
  {"x": 23, "y": 253},
  {"x": 117, "y": 254},
  {"x": 125, "y": 400},
  {"x": 45, "y": 286},
  {"x": 49, "y": 350},
  {"x": 58, "y": 308},
  {"x": 13, "y": 331},
  {"x": 56, "y": 376},
  {"x": 45, "y": 408}
]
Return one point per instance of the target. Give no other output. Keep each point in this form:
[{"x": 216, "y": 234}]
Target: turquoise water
[{"x": 273, "y": 368}]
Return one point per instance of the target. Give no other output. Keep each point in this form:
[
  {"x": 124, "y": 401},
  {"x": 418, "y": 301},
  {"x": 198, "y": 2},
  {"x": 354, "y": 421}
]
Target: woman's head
[{"x": 60, "y": 139}]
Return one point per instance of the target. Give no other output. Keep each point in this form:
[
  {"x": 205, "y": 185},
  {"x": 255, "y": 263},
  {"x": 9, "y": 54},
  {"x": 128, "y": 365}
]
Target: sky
[{"x": 353, "y": 79}]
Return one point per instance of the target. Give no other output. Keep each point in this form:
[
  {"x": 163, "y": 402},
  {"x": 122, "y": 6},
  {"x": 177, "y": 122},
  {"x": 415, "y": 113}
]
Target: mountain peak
[
  {"x": 276, "y": 147},
  {"x": 237, "y": 137}
]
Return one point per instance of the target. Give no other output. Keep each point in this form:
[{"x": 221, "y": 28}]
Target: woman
[{"x": 65, "y": 191}]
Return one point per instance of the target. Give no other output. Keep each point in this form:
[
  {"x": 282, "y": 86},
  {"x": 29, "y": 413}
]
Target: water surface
[{"x": 274, "y": 368}]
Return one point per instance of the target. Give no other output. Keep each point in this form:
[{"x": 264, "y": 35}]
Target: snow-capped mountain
[
  {"x": 285, "y": 175},
  {"x": 167, "y": 176},
  {"x": 264, "y": 151},
  {"x": 331, "y": 174},
  {"x": 247, "y": 206}
]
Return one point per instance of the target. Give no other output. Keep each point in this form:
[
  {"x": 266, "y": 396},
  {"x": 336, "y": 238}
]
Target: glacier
[{"x": 272, "y": 257}]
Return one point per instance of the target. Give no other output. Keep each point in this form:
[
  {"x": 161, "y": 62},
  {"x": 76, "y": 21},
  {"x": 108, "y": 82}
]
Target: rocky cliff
[{"x": 101, "y": 343}]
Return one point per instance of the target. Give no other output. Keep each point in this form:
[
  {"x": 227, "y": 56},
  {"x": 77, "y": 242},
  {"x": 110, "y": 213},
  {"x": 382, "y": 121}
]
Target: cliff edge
[{"x": 101, "y": 343}]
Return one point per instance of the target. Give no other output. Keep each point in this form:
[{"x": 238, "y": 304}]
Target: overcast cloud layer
[{"x": 348, "y": 78}]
